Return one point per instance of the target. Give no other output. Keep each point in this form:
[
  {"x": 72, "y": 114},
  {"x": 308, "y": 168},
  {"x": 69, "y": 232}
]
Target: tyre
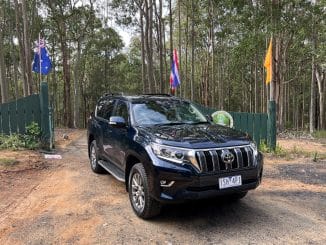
[
  {"x": 142, "y": 203},
  {"x": 93, "y": 158}
]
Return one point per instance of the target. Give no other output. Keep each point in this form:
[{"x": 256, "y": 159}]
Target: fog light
[{"x": 165, "y": 183}]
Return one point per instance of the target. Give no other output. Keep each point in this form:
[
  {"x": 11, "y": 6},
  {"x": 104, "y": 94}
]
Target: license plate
[{"x": 231, "y": 181}]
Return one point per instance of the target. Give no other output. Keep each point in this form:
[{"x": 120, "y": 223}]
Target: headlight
[{"x": 175, "y": 154}]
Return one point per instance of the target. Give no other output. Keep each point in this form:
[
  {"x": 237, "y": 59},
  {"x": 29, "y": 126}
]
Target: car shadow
[{"x": 215, "y": 212}]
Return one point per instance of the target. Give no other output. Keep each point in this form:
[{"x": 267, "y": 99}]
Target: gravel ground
[{"x": 65, "y": 203}]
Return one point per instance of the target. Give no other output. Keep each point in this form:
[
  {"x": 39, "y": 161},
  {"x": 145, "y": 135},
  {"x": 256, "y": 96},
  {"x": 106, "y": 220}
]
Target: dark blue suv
[{"x": 166, "y": 150}]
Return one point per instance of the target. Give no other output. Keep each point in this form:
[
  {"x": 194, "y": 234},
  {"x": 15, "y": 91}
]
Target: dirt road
[{"x": 65, "y": 203}]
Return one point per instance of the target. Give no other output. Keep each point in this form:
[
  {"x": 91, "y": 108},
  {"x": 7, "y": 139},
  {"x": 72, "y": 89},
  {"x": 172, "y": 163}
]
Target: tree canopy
[{"x": 221, "y": 47}]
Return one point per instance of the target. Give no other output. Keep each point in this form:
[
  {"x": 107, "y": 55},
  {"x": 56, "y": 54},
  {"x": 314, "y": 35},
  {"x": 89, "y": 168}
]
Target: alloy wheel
[{"x": 137, "y": 191}]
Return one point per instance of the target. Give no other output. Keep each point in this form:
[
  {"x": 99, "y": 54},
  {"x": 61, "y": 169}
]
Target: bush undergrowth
[
  {"x": 291, "y": 153},
  {"x": 29, "y": 140},
  {"x": 321, "y": 134}
]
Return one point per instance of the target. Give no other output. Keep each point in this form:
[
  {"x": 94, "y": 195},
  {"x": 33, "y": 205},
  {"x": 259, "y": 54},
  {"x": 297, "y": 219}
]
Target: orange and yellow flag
[{"x": 268, "y": 63}]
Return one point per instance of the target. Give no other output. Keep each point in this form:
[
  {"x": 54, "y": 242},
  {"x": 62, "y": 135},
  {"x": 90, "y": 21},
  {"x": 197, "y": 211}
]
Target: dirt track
[{"x": 65, "y": 203}]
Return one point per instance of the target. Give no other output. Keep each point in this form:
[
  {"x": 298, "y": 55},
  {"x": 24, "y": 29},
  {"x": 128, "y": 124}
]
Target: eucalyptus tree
[{"x": 3, "y": 78}]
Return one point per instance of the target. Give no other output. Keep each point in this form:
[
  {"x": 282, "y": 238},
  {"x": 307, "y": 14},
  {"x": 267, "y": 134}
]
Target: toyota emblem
[{"x": 227, "y": 157}]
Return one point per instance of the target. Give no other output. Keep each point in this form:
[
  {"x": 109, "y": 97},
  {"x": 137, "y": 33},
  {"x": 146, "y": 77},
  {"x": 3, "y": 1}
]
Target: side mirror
[{"x": 118, "y": 122}]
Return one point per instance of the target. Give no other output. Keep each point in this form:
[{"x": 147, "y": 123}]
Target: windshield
[{"x": 164, "y": 112}]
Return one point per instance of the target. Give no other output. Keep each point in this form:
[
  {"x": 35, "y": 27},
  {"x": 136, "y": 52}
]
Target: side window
[
  {"x": 105, "y": 108},
  {"x": 122, "y": 110}
]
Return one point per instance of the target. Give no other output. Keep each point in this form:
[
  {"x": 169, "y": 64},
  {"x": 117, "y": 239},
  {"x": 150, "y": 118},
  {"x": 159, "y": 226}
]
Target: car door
[
  {"x": 104, "y": 112},
  {"x": 120, "y": 134}
]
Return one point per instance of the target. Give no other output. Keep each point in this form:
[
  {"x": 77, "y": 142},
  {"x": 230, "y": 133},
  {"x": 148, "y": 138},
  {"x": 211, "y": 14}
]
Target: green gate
[
  {"x": 16, "y": 115},
  {"x": 255, "y": 124}
]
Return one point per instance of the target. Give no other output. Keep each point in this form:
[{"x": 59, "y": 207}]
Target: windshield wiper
[
  {"x": 170, "y": 123},
  {"x": 194, "y": 123}
]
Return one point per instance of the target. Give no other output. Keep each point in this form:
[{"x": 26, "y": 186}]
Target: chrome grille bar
[
  {"x": 210, "y": 160},
  {"x": 239, "y": 157},
  {"x": 202, "y": 160},
  {"x": 215, "y": 161}
]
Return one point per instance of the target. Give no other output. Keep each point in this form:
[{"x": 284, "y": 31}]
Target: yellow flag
[{"x": 268, "y": 63}]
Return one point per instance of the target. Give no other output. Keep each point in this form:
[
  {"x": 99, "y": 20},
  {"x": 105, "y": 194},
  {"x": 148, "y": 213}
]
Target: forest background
[{"x": 221, "y": 46}]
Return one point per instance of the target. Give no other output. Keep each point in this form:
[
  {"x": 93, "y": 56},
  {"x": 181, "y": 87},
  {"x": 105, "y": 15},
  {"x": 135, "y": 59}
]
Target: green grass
[
  {"x": 8, "y": 162},
  {"x": 321, "y": 134},
  {"x": 293, "y": 153}
]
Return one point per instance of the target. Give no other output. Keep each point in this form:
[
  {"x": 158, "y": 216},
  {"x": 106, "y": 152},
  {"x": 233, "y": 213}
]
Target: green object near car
[{"x": 223, "y": 118}]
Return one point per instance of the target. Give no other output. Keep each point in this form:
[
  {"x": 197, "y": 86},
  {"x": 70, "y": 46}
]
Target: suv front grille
[{"x": 211, "y": 160}]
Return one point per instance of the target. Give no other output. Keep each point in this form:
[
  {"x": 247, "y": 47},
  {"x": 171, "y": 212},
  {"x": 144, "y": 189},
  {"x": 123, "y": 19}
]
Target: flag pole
[
  {"x": 39, "y": 55},
  {"x": 271, "y": 84}
]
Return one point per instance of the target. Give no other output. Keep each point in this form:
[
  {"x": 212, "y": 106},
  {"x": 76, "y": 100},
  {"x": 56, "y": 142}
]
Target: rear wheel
[
  {"x": 142, "y": 203},
  {"x": 93, "y": 158}
]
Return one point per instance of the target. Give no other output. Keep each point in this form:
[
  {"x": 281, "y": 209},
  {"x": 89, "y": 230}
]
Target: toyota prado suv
[{"x": 166, "y": 151}]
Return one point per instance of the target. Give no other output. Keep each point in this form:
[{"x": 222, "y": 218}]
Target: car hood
[{"x": 195, "y": 136}]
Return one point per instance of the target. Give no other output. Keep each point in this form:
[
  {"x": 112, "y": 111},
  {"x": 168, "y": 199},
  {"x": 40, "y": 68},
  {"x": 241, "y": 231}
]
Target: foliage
[
  {"x": 32, "y": 136},
  {"x": 228, "y": 40},
  {"x": 292, "y": 153},
  {"x": 279, "y": 151},
  {"x": 320, "y": 134},
  {"x": 30, "y": 140}
]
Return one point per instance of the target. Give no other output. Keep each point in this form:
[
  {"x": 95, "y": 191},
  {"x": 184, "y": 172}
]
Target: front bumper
[{"x": 189, "y": 185}]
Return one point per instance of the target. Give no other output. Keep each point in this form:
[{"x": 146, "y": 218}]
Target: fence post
[
  {"x": 45, "y": 117},
  {"x": 271, "y": 124}
]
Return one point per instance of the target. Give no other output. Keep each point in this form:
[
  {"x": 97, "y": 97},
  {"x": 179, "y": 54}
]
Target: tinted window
[
  {"x": 105, "y": 108},
  {"x": 122, "y": 110},
  {"x": 166, "y": 112}
]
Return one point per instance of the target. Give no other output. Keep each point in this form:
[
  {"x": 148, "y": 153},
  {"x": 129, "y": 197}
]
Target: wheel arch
[
  {"x": 131, "y": 160},
  {"x": 90, "y": 139}
]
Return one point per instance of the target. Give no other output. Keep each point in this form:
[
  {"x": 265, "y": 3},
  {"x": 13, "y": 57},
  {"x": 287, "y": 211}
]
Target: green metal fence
[
  {"x": 16, "y": 115},
  {"x": 255, "y": 124}
]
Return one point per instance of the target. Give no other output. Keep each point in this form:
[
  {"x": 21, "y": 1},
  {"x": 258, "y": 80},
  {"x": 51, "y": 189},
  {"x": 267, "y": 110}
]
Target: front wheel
[
  {"x": 142, "y": 203},
  {"x": 93, "y": 159}
]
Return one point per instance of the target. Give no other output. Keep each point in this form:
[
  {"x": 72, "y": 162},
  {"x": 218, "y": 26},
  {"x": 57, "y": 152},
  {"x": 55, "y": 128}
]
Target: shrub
[{"x": 30, "y": 140}]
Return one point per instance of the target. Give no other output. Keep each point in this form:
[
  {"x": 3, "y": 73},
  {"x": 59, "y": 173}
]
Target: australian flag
[
  {"x": 41, "y": 63},
  {"x": 174, "y": 76}
]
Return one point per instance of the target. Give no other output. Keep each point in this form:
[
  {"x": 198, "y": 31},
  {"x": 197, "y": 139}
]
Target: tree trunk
[
  {"x": 320, "y": 77},
  {"x": 313, "y": 94},
  {"x": 171, "y": 33},
  {"x": 148, "y": 44},
  {"x": 213, "y": 88},
  {"x": 21, "y": 48},
  {"x": 143, "y": 65},
  {"x": 3, "y": 80},
  {"x": 27, "y": 47},
  {"x": 76, "y": 87},
  {"x": 67, "y": 117},
  {"x": 186, "y": 77},
  {"x": 162, "y": 87},
  {"x": 192, "y": 51}
]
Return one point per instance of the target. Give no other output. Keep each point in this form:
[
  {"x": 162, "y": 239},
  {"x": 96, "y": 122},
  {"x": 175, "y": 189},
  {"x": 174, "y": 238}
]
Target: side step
[{"x": 112, "y": 169}]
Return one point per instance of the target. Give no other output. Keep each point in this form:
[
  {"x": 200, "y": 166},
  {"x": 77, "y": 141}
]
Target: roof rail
[
  {"x": 158, "y": 94},
  {"x": 112, "y": 94}
]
